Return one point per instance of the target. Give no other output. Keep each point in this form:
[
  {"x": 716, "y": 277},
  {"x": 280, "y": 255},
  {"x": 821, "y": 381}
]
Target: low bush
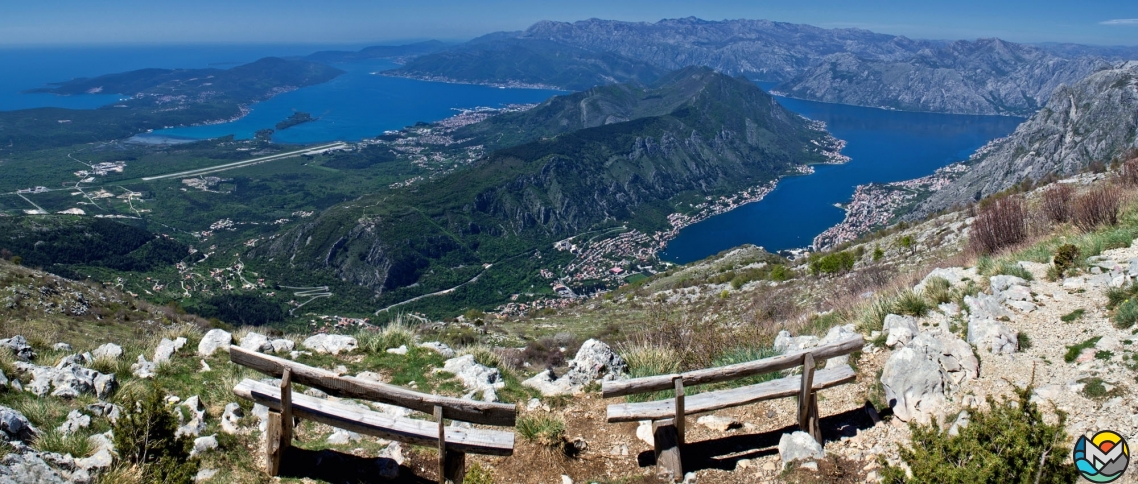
[
  {"x": 1010, "y": 443},
  {"x": 1057, "y": 203},
  {"x": 938, "y": 290},
  {"x": 1073, "y": 315},
  {"x": 1074, "y": 350},
  {"x": 999, "y": 224},
  {"x": 1012, "y": 268},
  {"x": 832, "y": 263},
  {"x": 1066, "y": 259},
  {"x": 1096, "y": 208},
  {"x": 145, "y": 436},
  {"x": 52, "y": 440},
  {"x": 912, "y": 304},
  {"x": 1126, "y": 314}
]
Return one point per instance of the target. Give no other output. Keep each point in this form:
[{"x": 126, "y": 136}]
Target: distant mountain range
[
  {"x": 624, "y": 153},
  {"x": 848, "y": 66}
]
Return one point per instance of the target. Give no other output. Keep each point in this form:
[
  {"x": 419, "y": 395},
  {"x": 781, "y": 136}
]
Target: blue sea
[{"x": 883, "y": 146}]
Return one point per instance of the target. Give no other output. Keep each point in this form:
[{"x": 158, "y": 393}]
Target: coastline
[{"x": 448, "y": 80}]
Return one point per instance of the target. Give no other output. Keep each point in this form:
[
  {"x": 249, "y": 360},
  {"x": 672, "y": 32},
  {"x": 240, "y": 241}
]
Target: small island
[{"x": 296, "y": 118}]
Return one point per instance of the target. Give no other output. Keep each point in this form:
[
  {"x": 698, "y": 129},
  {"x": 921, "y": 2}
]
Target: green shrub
[
  {"x": 1011, "y": 268},
  {"x": 478, "y": 475},
  {"x": 780, "y": 273},
  {"x": 872, "y": 317},
  {"x": 145, "y": 436},
  {"x": 1024, "y": 341},
  {"x": 1073, "y": 315},
  {"x": 543, "y": 429},
  {"x": 1011, "y": 443},
  {"x": 906, "y": 242},
  {"x": 743, "y": 354},
  {"x": 832, "y": 263},
  {"x": 1074, "y": 350},
  {"x": 909, "y": 303},
  {"x": 648, "y": 359},
  {"x": 1095, "y": 389},
  {"x": 53, "y": 440},
  {"x": 1127, "y": 314},
  {"x": 1066, "y": 259},
  {"x": 878, "y": 253}
]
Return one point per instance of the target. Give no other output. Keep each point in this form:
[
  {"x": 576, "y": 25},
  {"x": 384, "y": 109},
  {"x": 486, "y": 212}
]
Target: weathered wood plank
[
  {"x": 273, "y": 448},
  {"x": 484, "y": 413},
  {"x": 350, "y": 417},
  {"x": 706, "y": 402},
  {"x": 611, "y": 389},
  {"x": 666, "y": 446}
]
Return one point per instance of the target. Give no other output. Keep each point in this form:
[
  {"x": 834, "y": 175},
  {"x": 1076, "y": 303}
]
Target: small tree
[
  {"x": 1057, "y": 203},
  {"x": 1008, "y": 444},
  {"x": 145, "y": 436}
]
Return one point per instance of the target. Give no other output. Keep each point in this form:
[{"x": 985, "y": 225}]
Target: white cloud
[{"x": 1120, "y": 21}]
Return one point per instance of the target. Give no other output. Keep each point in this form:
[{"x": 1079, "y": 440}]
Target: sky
[{"x": 69, "y": 22}]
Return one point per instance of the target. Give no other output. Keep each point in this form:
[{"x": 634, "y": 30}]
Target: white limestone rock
[
  {"x": 477, "y": 378},
  {"x": 331, "y": 343},
  {"x": 256, "y": 342},
  {"x": 899, "y": 330},
  {"x": 108, "y": 351},
  {"x": 799, "y": 446},
  {"x": 213, "y": 340},
  {"x": 438, "y": 347}
]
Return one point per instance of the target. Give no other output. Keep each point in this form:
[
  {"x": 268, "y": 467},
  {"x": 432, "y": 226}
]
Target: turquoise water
[
  {"x": 883, "y": 146},
  {"x": 359, "y": 104}
]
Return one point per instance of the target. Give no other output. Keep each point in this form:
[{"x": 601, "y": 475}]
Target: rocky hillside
[
  {"x": 528, "y": 63},
  {"x": 621, "y": 154},
  {"x": 987, "y": 76},
  {"x": 1095, "y": 119}
]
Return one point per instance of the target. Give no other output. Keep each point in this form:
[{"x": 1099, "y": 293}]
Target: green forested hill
[{"x": 612, "y": 155}]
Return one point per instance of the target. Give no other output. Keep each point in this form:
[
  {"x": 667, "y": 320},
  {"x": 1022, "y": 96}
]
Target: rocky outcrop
[
  {"x": 917, "y": 377},
  {"x": 167, "y": 348},
  {"x": 475, "y": 377},
  {"x": 19, "y": 345},
  {"x": 68, "y": 380},
  {"x": 14, "y": 426},
  {"x": 109, "y": 351},
  {"x": 986, "y": 76},
  {"x": 1090, "y": 120},
  {"x": 594, "y": 361},
  {"x": 984, "y": 329}
]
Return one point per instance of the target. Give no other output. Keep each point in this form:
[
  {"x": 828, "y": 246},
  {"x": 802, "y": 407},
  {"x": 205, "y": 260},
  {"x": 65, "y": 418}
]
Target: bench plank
[
  {"x": 349, "y": 417},
  {"x": 620, "y": 388},
  {"x": 706, "y": 402},
  {"x": 485, "y": 413}
]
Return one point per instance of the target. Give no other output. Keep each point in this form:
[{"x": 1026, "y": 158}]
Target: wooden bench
[
  {"x": 453, "y": 443},
  {"x": 667, "y": 416}
]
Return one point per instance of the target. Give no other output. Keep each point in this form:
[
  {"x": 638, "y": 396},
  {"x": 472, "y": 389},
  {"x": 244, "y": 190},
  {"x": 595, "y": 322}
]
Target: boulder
[
  {"x": 14, "y": 426},
  {"x": 231, "y": 418},
  {"x": 27, "y": 468},
  {"x": 1002, "y": 283},
  {"x": 992, "y": 336},
  {"x": 76, "y": 421},
  {"x": 61, "y": 347},
  {"x": 214, "y": 339},
  {"x": 913, "y": 384},
  {"x": 167, "y": 348},
  {"x": 108, "y": 351},
  {"x": 785, "y": 343},
  {"x": 439, "y": 348},
  {"x": 899, "y": 329},
  {"x": 282, "y": 345},
  {"x": 477, "y": 378},
  {"x": 19, "y": 345},
  {"x": 256, "y": 342},
  {"x": 594, "y": 361},
  {"x": 108, "y": 410},
  {"x": 203, "y": 445},
  {"x": 330, "y": 343},
  {"x": 799, "y": 446},
  {"x": 196, "y": 422},
  {"x": 143, "y": 368}
]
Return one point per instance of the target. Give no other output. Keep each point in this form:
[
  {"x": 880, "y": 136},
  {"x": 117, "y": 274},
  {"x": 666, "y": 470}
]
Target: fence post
[
  {"x": 807, "y": 407},
  {"x": 286, "y": 410},
  {"x": 678, "y": 382}
]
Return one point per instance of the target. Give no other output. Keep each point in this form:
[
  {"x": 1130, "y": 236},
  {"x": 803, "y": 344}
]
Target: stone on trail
[
  {"x": 917, "y": 377},
  {"x": 899, "y": 330},
  {"x": 718, "y": 423},
  {"x": 799, "y": 446},
  {"x": 214, "y": 339}
]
